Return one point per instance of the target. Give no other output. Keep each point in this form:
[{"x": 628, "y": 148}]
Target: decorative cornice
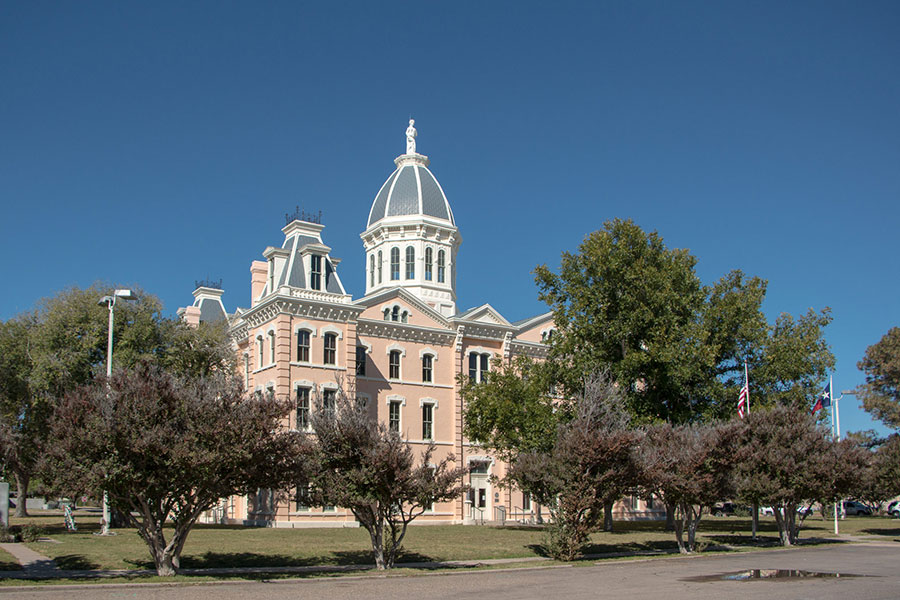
[
  {"x": 300, "y": 306},
  {"x": 403, "y": 332},
  {"x": 532, "y": 349}
]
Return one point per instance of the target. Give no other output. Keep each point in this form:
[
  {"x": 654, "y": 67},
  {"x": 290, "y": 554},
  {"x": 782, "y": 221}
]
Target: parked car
[
  {"x": 767, "y": 511},
  {"x": 852, "y": 507},
  {"x": 893, "y": 508},
  {"x": 723, "y": 509},
  {"x": 805, "y": 511}
]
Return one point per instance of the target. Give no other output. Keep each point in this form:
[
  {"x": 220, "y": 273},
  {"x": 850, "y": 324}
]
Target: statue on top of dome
[{"x": 411, "y": 137}]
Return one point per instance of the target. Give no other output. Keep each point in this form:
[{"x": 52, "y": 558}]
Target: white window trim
[
  {"x": 330, "y": 329},
  {"x": 393, "y": 347},
  {"x": 328, "y": 385},
  {"x": 305, "y": 326},
  {"x": 305, "y": 383},
  {"x": 364, "y": 344},
  {"x": 479, "y": 350},
  {"x": 431, "y": 401},
  {"x": 395, "y": 398},
  {"x": 428, "y": 350}
]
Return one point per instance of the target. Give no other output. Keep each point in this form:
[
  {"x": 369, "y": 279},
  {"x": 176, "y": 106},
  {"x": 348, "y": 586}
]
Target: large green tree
[{"x": 880, "y": 394}]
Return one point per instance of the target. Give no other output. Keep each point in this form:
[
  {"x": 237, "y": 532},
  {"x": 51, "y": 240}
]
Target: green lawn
[
  {"x": 216, "y": 546},
  {"x": 8, "y": 562}
]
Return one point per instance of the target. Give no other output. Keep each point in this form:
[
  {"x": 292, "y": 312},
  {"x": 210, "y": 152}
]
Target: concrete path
[
  {"x": 870, "y": 571},
  {"x": 33, "y": 564}
]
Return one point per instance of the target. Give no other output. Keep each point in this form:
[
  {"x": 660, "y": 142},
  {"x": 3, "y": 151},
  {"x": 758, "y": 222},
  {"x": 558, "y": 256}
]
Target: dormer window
[
  {"x": 441, "y": 266},
  {"x": 429, "y": 257},
  {"x": 315, "y": 272},
  {"x": 410, "y": 262},
  {"x": 395, "y": 264},
  {"x": 395, "y": 314}
]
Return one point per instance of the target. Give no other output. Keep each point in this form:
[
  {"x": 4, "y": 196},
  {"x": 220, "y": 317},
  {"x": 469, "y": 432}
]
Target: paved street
[{"x": 660, "y": 579}]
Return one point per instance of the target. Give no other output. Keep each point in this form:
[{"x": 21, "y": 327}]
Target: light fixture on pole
[{"x": 110, "y": 301}]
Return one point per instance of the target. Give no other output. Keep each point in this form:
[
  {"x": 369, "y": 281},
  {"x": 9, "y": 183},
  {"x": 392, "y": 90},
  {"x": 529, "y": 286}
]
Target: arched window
[
  {"x": 380, "y": 264},
  {"x": 479, "y": 365},
  {"x": 302, "y": 346},
  {"x": 271, "y": 347},
  {"x": 260, "y": 351},
  {"x": 395, "y": 313},
  {"x": 372, "y": 270},
  {"x": 387, "y": 314},
  {"x": 410, "y": 262},
  {"x": 441, "y": 262},
  {"x": 395, "y": 264},
  {"x": 329, "y": 357},
  {"x": 394, "y": 365},
  {"x": 428, "y": 259}
]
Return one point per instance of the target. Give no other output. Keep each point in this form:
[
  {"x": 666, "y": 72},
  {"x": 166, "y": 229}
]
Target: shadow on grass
[
  {"x": 228, "y": 560},
  {"x": 75, "y": 562},
  {"x": 895, "y": 531}
]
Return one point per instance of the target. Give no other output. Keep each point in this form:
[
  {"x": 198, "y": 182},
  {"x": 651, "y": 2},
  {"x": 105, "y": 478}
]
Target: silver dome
[{"x": 411, "y": 190}]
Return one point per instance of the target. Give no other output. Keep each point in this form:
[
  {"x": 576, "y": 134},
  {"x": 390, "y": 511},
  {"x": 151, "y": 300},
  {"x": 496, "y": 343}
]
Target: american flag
[{"x": 742, "y": 400}]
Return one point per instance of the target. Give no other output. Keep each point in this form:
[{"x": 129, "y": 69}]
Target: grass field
[{"x": 222, "y": 546}]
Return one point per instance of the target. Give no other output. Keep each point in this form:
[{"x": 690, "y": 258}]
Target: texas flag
[{"x": 824, "y": 399}]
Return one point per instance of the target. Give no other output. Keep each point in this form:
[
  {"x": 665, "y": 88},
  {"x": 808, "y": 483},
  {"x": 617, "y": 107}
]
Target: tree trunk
[
  {"x": 376, "y": 533},
  {"x": 607, "y": 515},
  {"x": 678, "y": 526},
  {"x": 670, "y": 517},
  {"x": 22, "y": 480},
  {"x": 783, "y": 533}
]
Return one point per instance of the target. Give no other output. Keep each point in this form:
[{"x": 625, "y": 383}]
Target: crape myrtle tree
[
  {"x": 880, "y": 394},
  {"x": 883, "y": 475},
  {"x": 590, "y": 464},
  {"x": 167, "y": 448},
  {"x": 360, "y": 464},
  {"x": 690, "y": 467},
  {"x": 787, "y": 460}
]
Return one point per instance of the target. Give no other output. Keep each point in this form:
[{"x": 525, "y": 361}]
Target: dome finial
[{"x": 411, "y": 137}]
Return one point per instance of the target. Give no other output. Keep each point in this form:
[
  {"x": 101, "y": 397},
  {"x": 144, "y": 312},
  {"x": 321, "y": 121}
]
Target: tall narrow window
[
  {"x": 427, "y": 421},
  {"x": 260, "y": 350},
  {"x": 380, "y": 265},
  {"x": 330, "y": 349},
  {"x": 302, "y": 408},
  {"x": 410, "y": 262},
  {"x": 395, "y": 313},
  {"x": 427, "y": 367},
  {"x": 428, "y": 259},
  {"x": 394, "y": 416},
  {"x": 371, "y": 270},
  {"x": 361, "y": 360},
  {"x": 478, "y": 366},
  {"x": 315, "y": 272},
  {"x": 395, "y": 264},
  {"x": 247, "y": 371},
  {"x": 271, "y": 347},
  {"x": 394, "y": 365},
  {"x": 302, "y": 346},
  {"x": 441, "y": 266},
  {"x": 328, "y": 398},
  {"x": 301, "y": 499}
]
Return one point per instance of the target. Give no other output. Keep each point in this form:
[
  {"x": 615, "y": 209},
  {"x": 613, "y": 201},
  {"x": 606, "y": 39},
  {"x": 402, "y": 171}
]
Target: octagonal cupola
[{"x": 411, "y": 237}]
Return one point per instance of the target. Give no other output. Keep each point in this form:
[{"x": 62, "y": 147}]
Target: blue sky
[{"x": 157, "y": 143}]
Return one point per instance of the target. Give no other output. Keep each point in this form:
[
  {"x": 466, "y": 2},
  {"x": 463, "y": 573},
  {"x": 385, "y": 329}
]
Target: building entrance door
[{"x": 480, "y": 491}]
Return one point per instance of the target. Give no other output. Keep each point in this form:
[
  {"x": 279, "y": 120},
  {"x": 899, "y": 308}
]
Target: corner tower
[{"x": 411, "y": 237}]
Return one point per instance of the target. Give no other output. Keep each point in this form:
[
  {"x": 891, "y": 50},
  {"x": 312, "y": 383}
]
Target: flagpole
[
  {"x": 755, "y": 520},
  {"x": 833, "y": 410}
]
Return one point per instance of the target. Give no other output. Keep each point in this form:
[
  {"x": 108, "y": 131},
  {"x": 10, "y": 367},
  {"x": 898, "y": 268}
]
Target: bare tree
[
  {"x": 167, "y": 449},
  {"x": 360, "y": 464}
]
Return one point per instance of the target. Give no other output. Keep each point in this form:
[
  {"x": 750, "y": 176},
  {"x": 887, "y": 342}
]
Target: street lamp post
[{"x": 110, "y": 301}]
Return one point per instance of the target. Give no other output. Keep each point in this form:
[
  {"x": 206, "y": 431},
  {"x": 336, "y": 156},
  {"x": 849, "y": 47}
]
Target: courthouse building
[{"x": 400, "y": 347}]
